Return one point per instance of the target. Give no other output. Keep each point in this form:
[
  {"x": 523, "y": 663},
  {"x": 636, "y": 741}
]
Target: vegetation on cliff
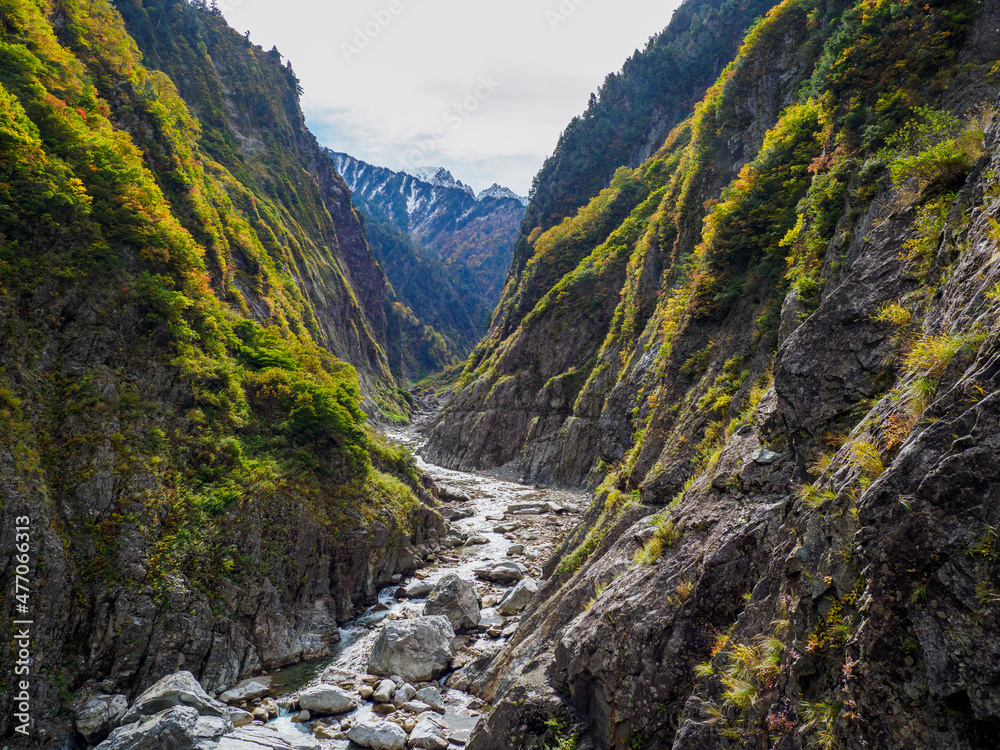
[
  {"x": 785, "y": 322},
  {"x": 192, "y": 329}
]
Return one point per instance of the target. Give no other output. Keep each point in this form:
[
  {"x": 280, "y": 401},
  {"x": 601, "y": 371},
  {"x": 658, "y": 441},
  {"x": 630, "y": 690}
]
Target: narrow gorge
[{"x": 696, "y": 447}]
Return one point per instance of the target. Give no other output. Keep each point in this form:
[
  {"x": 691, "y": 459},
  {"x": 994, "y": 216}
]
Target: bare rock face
[
  {"x": 417, "y": 650},
  {"x": 98, "y": 716},
  {"x": 180, "y": 689},
  {"x": 179, "y": 728},
  {"x": 825, "y": 570},
  {"x": 456, "y": 599}
]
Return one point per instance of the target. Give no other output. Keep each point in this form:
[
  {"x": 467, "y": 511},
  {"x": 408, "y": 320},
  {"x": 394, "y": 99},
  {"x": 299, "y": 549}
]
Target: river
[{"x": 490, "y": 497}]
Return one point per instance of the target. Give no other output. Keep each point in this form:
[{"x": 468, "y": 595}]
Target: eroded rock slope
[{"x": 790, "y": 406}]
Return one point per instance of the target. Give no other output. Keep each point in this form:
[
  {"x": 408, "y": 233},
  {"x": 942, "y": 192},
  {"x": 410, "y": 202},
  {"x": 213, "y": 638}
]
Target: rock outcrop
[
  {"x": 195, "y": 287},
  {"x": 780, "y": 370}
]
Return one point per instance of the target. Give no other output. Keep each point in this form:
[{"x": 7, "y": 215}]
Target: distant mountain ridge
[
  {"x": 445, "y": 249},
  {"x": 426, "y": 202}
]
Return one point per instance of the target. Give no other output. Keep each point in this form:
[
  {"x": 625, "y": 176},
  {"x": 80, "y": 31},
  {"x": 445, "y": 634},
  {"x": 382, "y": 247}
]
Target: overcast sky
[{"x": 482, "y": 88}]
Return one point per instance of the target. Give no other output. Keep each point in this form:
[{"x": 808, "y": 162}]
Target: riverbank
[{"x": 490, "y": 522}]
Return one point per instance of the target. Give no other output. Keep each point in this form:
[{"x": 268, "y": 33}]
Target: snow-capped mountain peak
[
  {"x": 499, "y": 192},
  {"x": 439, "y": 177}
]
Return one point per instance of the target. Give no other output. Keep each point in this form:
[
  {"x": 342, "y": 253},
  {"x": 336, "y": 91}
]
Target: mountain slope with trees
[
  {"x": 192, "y": 328},
  {"x": 770, "y": 350},
  {"x": 445, "y": 250}
]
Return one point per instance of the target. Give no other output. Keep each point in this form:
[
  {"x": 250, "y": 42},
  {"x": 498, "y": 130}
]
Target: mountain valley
[{"x": 707, "y": 458}]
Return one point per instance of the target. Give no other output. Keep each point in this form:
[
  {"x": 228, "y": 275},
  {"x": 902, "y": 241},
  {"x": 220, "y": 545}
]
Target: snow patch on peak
[
  {"x": 498, "y": 192},
  {"x": 440, "y": 177}
]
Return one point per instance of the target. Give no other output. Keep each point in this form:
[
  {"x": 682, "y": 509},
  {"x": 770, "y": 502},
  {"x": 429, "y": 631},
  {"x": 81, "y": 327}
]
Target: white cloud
[{"x": 383, "y": 75}]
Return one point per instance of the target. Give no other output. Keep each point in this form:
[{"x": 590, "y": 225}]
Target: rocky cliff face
[
  {"x": 246, "y": 102},
  {"x": 634, "y": 111},
  {"x": 789, "y": 406},
  {"x": 554, "y": 389},
  {"x": 177, "y": 263}
]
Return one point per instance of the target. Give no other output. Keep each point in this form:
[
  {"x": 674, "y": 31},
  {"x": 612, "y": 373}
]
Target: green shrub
[{"x": 935, "y": 150}]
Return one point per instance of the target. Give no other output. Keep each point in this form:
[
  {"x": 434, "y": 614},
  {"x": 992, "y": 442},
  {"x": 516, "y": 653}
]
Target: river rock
[
  {"x": 271, "y": 706},
  {"x": 179, "y": 689},
  {"x": 383, "y": 693},
  {"x": 449, "y": 494},
  {"x": 502, "y": 572},
  {"x": 326, "y": 733},
  {"x": 418, "y": 650},
  {"x": 455, "y": 514},
  {"x": 366, "y": 692},
  {"x": 417, "y": 589},
  {"x": 415, "y": 707},
  {"x": 432, "y": 697},
  {"x": 260, "y": 714},
  {"x": 427, "y": 734},
  {"x": 99, "y": 715},
  {"x": 515, "y": 549},
  {"x": 456, "y": 599},
  {"x": 246, "y": 691},
  {"x": 379, "y": 735},
  {"x": 324, "y": 700},
  {"x": 518, "y": 597},
  {"x": 301, "y": 717},
  {"x": 404, "y": 693},
  {"x": 527, "y": 509},
  {"x": 338, "y": 676},
  {"x": 239, "y": 717},
  {"x": 477, "y": 539},
  {"x": 179, "y": 727}
]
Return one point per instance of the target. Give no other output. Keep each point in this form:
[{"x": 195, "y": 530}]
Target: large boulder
[
  {"x": 456, "y": 599},
  {"x": 417, "y": 650},
  {"x": 518, "y": 597},
  {"x": 177, "y": 714},
  {"x": 177, "y": 728},
  {"x": 502, "y": 572},
  {"x": 450, "y": 513},
  {"x": 178, "y": 689},
  {"x": 452, "y": 494},
  {"x": 98, "y": 716},
  {"x": 417, "y": 589},
  {"x": 246, "y": 691},
  {"x": 324, "y": 700},
  {"x": 378, "y": 735},
  {"x": 428, "y": 734}
]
